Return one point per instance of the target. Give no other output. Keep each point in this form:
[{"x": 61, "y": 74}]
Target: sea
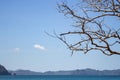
[{"x": 59, "y": 77}]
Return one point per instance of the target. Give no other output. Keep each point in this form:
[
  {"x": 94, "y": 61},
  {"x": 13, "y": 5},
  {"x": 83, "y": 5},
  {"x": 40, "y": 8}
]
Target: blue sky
[{"x": 24, "y": 44}]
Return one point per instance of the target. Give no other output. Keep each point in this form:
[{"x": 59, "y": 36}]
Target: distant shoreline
[{"x": 78, "y": 72}]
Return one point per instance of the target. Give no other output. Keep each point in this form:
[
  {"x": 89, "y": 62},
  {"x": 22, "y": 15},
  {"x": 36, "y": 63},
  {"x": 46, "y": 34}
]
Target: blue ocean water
[{"x": 59, "y": 77}]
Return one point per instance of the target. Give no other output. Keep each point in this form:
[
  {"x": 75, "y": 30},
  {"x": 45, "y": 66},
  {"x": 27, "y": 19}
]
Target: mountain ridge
[{"x": 81, "y": 72}]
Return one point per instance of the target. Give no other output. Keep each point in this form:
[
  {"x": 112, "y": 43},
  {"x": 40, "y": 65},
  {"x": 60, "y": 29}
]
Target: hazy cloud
[
  {"x": 37, "y": 46},
  {"x": 16, "y": 50}
]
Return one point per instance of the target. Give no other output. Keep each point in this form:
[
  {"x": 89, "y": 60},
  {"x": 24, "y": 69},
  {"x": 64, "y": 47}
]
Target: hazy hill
[
  {"x": 83, "y": 72},
  {"x": 25, "y": 72}
]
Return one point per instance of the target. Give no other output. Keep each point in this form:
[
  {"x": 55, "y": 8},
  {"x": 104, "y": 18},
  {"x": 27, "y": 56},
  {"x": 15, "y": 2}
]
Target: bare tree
[{"x": 94, "y": 33}]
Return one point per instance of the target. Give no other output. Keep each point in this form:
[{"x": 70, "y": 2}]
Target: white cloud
[
  {"x": 16, "y": 50},
  {"x": 37, "y": 46}
]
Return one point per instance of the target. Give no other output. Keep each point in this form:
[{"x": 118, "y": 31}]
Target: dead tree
[{"x": 94, "y": 33}]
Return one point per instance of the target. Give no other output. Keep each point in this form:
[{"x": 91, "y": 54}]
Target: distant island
[
  {"x": 82, "y": 72},
  {"x": 3, "y": 71}
]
